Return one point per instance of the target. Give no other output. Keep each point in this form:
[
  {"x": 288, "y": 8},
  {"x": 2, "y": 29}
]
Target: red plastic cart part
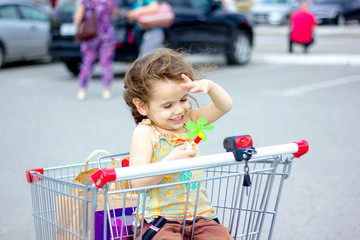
[
  {"x": 303, "y": 148},
  {"x": 102, "y": 176},
  {"x": 125, "y": 163},
  {"x": 243, "y": 141},
  {"x": 28, "y": 176}
]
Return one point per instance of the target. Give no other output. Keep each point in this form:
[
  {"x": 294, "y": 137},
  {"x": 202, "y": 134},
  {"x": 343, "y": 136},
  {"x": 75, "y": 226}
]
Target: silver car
[
  {"x": 275, "y": 12},
  {"x": 24, "y": 31}
]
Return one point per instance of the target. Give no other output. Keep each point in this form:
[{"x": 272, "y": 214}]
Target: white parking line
[{"x": 313, "y": 87}]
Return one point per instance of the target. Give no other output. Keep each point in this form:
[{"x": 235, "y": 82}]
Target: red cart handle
[
  {"x": 102, "y": 176},
  {"x": 30, "y": 178},
  {"x": 303, "y": 148}
]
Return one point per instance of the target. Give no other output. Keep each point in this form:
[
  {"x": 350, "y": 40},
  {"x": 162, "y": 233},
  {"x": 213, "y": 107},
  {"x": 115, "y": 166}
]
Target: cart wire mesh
[{"x": 66, "y": 210}]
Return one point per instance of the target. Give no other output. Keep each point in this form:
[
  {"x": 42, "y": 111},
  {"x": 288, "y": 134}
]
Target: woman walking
[{"x": 102, "y": 46}]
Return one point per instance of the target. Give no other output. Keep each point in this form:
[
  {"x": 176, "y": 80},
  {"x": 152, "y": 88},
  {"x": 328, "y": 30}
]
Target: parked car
[
  {"x": 335, "y": 11},
  {"x": 200, "y": 26},
  {"x": 24, "y": 31},
  {"x": 275, "y": 12},
  {"x": 243, "y": 5},
  {"x": 352, "y": 10}
]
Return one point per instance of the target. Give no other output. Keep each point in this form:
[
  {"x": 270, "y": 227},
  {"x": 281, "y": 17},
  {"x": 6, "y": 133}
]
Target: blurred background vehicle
[
  {"x": 24, "y": 31},
  {"x": 47, "y": 4},
  {"x": 243, "y": 5},
  {"x": 229, "y": 4},
  {"x": 200, "y": 26},
  {"x": 53, "y": 2},
  {"x": 275, "y": 12},
  {"x": 335, "y": 11}
]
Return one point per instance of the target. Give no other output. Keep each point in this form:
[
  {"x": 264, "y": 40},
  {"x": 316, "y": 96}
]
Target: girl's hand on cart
[
  {"x": 180, "y": 152},
  {"x": 196, "y": 86}
]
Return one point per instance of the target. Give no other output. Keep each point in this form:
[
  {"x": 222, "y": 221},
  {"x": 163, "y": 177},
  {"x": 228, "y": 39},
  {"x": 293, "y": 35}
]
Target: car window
[
  {"x": 33, "y": 14},
  {"x": 125, "y": 3},
  {"x": 67, "y": 6},
  {"x": 202, "y": 4},
  {"x": 9, "y": 11},
  {"x": 274, "y": 1},
  {"x": 177, "y": 3},
  {"x": 327, "y": 1}
]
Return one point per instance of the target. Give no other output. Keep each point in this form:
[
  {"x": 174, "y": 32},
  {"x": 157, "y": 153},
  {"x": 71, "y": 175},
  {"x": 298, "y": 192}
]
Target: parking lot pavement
[{"x": 334, "y": 45}]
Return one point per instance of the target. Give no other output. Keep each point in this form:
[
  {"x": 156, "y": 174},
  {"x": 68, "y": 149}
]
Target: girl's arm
[
  {"x": 141, "y": 152},
  {"x": 221, "y": 100},
  {"x": 79, "y": 14}
]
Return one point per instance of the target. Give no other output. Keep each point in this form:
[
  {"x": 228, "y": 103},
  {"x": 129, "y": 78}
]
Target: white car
[
  {"x": 275, "y": 12},
  {"x": 24, "y": 31}
]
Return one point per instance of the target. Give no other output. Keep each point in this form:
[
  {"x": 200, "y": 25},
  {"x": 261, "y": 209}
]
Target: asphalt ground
[
  {"x": 334, "y": 45},
  {"x": 41, "y": 127}
]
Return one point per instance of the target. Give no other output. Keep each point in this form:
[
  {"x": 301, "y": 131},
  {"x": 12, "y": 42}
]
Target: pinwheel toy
[{"x": 196, "y": 132}]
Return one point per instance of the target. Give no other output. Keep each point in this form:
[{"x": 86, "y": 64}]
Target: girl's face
[{"x": 168, "y": 107}]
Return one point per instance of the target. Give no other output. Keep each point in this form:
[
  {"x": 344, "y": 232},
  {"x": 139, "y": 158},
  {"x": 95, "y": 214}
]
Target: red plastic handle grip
[
  {"x": 103, "y": 176},
  {"x": 303, "y": 148},
  {"x": 30, "y": 178}
]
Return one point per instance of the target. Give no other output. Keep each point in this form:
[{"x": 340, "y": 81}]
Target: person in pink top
[{"x": 302, "y": 24}]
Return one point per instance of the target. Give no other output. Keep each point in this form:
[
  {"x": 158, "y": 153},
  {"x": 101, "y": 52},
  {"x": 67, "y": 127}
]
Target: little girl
[{"x": 157, "y": 88}]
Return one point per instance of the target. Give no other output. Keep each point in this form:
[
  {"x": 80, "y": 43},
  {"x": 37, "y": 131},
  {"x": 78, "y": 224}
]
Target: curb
[
  {"x": 307, "y": 59},
  {"x": 348, "y": 31}
]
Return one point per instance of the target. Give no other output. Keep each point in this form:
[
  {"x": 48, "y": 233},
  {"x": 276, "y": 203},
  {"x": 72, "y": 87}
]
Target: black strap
[
  {"x": 154, "y": 228},
  {"x": 157, "y": 224}
]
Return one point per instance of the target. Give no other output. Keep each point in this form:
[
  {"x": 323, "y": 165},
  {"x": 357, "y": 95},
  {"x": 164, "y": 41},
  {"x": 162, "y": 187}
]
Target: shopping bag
[
  {"x": 70, "y": 207},
  {"x": 85, "y": 175},
  {"x": 87, "y": 29},
  {"x": 118, "y": 223},
  {"x": 162, "y": 17}
]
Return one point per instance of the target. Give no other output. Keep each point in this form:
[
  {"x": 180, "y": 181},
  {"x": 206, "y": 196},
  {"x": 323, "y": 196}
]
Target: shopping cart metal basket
[{"x": 244, "y": 186}]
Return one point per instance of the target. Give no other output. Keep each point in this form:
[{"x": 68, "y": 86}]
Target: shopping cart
[{"x": 244, "y": 185}]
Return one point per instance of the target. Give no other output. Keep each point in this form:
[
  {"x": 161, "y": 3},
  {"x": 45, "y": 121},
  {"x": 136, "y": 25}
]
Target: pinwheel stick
[{"x": 195, "y": 141}]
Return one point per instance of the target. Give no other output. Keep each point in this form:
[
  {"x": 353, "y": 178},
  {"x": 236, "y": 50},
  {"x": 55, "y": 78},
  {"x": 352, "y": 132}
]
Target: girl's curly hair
[{"x": 163, "y": 64}]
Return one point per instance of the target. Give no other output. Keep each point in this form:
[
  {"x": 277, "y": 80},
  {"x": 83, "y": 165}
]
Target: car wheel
[
  {"x": 341, "y": 21},
  {"x": 240, "y": 49},
  {"x": 73, "y": 66}
]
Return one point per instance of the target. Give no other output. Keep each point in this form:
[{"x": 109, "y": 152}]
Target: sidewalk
[
  {"x": 326, "y": 30},
  {"x": 307, "y": 59},
  {"x": 334, "y": 45}
]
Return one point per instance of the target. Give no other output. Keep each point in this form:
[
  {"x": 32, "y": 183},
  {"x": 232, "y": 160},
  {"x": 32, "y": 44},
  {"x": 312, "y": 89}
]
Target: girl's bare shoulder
[
  {"x": 143, "y": 134},
  {"x": 143, "y": 130}
]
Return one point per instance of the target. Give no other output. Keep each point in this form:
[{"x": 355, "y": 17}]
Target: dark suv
[{"x": 200, "y": 26}]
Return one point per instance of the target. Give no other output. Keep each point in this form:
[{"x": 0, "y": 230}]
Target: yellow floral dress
[{"x": 170, "y": 202}]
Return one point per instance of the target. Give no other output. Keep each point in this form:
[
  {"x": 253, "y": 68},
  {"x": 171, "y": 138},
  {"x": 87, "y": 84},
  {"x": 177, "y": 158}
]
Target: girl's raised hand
[{"x": 195, "y": 86}]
